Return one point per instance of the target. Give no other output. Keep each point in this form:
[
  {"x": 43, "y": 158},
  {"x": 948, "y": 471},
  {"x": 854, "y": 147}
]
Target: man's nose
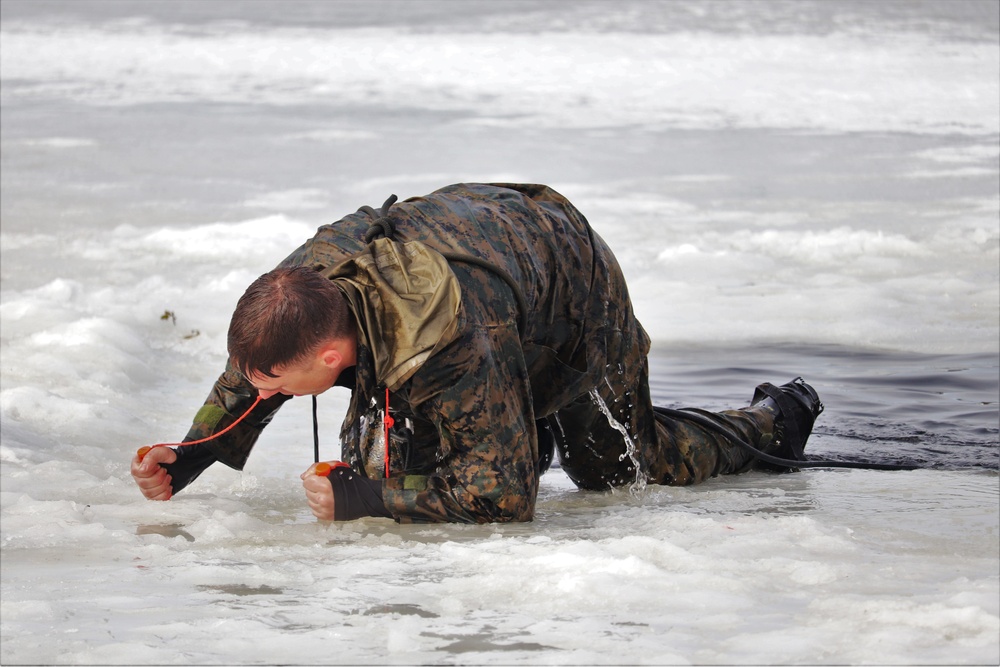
[{"x": 267, "y": 393}]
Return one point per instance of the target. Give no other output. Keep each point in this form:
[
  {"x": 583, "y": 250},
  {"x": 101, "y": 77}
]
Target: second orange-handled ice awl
[{"x": 324, "y": 469}]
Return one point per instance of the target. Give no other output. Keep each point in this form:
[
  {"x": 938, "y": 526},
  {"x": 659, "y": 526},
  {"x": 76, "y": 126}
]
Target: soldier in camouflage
[{"x": 494, "y": 327}]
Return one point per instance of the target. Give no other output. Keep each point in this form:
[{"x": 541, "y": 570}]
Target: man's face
[{"x": 309, "y": 377}]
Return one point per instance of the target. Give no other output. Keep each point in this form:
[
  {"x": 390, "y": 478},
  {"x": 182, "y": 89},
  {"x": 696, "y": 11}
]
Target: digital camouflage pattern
[{"x": 480, "y": 393}]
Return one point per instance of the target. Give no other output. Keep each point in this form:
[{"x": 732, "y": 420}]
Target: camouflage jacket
[{"x": 488, "y": 308}]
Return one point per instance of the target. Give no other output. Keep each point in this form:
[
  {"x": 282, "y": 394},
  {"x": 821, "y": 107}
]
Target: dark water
[{"x": 933, "y": 410}]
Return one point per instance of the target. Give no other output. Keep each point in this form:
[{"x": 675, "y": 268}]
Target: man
[{"x": 479, "y": 328}]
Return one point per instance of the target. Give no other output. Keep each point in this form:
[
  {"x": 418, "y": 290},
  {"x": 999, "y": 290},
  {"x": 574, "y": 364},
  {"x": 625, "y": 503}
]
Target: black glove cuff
[
  {"x": 192, "y": 460},
  {"x": 355, "y": 496}
]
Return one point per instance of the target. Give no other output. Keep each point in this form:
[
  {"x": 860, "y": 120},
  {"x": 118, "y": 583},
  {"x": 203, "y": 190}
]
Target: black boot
[{"x": 795, "y": 406}]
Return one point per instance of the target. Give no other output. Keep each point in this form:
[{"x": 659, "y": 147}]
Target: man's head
[{"x": 285, "y": 319}]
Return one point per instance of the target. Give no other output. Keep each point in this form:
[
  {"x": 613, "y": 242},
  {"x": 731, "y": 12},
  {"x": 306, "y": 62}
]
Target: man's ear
[{"x": 330, "y": 356}]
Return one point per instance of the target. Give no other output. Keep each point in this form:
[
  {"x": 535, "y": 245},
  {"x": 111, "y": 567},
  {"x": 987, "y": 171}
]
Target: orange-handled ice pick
[
  {"x": 142, "y": 451},
  {"x": 324, "y": 469}
]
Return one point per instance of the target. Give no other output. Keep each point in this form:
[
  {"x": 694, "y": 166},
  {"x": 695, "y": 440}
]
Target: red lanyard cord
[
  {"x": 322, "y": 469},
  {"x": 388, "y": 421},
  {"x": 145, "y": 450}
]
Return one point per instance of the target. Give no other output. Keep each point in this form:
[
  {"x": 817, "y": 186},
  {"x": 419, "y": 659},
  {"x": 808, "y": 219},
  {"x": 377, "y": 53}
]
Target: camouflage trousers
[{"x": 612, "y": 437}]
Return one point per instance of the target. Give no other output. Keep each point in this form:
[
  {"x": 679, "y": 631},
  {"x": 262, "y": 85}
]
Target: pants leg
[
  {"x": 596, "y": 454},
  {"x": 690, "y": 453}
]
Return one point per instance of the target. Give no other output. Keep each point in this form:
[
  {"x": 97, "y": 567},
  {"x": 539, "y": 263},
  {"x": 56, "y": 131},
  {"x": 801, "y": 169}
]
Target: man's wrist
[
  {"x": 355, "y": 496},
  {"x": 192, "y": 460}
]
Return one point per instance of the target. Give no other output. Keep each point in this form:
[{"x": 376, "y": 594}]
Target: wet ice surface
[
  {"x": 810, "y": 568},
  {"x": 808, "y": 192}
]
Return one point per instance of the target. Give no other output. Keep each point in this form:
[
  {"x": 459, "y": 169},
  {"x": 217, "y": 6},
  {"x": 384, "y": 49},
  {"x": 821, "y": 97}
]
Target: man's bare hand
[
  {"x": 319, "y": 493},
  {"x": 153, "y": 480}
]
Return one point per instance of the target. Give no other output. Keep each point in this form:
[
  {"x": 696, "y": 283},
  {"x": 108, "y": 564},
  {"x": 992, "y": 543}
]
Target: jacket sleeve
[
  {"x": 231, "y": 396},
  {"x": 476, "y": 393}
]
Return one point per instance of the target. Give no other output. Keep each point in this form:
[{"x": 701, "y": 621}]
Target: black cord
[
  {"x": 811, "y": 463},
  {"x": 315, "y": 432}
]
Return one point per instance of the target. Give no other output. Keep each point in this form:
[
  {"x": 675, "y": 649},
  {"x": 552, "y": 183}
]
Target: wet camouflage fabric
[{"x": 465, "y": 446}]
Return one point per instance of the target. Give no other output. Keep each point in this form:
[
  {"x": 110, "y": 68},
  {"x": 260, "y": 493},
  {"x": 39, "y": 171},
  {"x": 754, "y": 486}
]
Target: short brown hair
[{"x": 284, "y": 316}]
